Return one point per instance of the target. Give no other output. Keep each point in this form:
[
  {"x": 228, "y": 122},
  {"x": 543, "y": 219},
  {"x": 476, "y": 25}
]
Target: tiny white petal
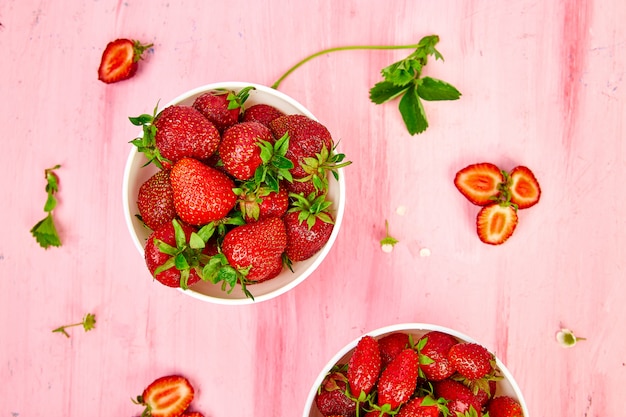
[
  {"x": 424, "y": 252},
  {"x": 387, "y": 248},
  {"x": 401, "y": 210}
]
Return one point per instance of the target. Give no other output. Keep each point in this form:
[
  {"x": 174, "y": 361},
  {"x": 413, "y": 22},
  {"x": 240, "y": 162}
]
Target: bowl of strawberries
[
  {"x": 414, "y": 369},
  {"x": 233, "y": 192}
]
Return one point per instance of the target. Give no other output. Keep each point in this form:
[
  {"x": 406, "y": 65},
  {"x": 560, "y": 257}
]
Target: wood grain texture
[{"x": 543, "y": 86}]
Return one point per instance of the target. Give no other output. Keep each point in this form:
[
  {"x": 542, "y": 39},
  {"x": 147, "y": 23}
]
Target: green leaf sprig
[
  {"x": 45, "y": 231},
  {"x": 403, "y": 80},
  {"x": 88, "y": 323}
]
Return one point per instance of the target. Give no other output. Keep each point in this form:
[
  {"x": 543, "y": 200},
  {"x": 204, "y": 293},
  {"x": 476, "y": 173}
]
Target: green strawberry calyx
[
  {"x": 275, "y": 165},
  {"x": 146, "y": 143},
  {"x": 311, "y": 208},
  {"x": 317, "y": 167}
]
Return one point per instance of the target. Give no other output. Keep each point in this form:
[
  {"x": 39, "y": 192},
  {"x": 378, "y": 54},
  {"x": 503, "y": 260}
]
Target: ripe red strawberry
[
  {"x": 261, "y": 203},
  {"x": 504, "y": 406},
  {"x": 496, "y": 223},
  {"x": 364, "y": 367},
  {"x": 262, "y": 113},
  {"x": 155, "y": 200},
  {"x": 391, "y": 345},
  {"x": 459, "y": 397},
  {"x": 420, "y": 407},
  {"x": 168, "y": 396},
  {"x": 331, "y": 398},
  {"x": 434, "y": 348},
  {"x": 479, "y": 183},
  {"x": 398, "y": 381},
  {"x": 182, "y": 131},
  {"x": 303, "y": 187},
  {"x": 524, "y": 187},
  {"x": 307, "y": 137},
  {"x": 471, "y": 360},
  {"x": 120, "y": 60},
  {"x": 201, "y": 194},
  {"x": 258, "y": 246},
  {"x": 240, "y": 149},
  {"x": 162, "y": 265},
  {"x": 222, "y": 107},
  {"x": 309, "y": 226},
  {"x": 483, "y": 395}
]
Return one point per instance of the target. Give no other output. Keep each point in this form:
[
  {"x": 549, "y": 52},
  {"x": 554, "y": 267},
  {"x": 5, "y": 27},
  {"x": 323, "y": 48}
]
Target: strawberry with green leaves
[
  {"x": 471, "y": 360},
  {"x": 425, "y": 406},
  {"x": 480, "y": 183},
  {"x": 240, "y": 148},
  {"x": 120, "y": 60},
  {"x": 364, "y": 367},
  {"x": 331, "y": 398},
  {"x": 460, "y": 398},
  {"x": 167, "y": 396},
  {"x": 504, "y": 406},
  {"x": 155, "y": 200},
  {"x": 398, "y": 381},
  {"x": 201, "y": 194},
  {"x": 433, "y": 349},
  {"x": 309, "y": 225},
  {"x": 175, "y": 133},
  {"x": 255, "y": 250},
  {"x": 262, "y": 113},
  {"x": 222, "y": 107},
  {"x": 171, "y": 257},
  {"x": 258, "y": 203}
]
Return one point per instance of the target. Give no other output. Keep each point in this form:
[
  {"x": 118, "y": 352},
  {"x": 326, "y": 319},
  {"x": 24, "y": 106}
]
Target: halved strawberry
[
  {"x": 120, "y": 60},
  {"x": 496, "y": 223},
  {"x": 168, "y": 396},
  {"x": 479, "y": 183},
  {"x": 524, "y": 187}
]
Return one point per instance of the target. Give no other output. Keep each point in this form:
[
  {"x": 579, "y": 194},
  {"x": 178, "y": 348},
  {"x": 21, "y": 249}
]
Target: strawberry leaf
[
  {"x": 45, "y": 231},
  {"x": 431, "y": 89},
  {"x": 412, "y": 112}
]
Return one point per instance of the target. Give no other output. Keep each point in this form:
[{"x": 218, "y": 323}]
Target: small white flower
[
  {"x": 424, "y": 252},
  {"x": 387, "y": 247},
  {"x": 567, "y": 339},
  {"x": 387, "y": 243}
]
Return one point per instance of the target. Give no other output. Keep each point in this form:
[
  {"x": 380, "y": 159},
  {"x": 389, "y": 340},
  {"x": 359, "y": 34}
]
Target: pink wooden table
[{"x": 543, "y": 86}]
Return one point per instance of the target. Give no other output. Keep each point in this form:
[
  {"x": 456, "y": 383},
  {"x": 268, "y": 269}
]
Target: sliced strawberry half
[
  {"x": 524, "y": 187},
  {"x": 168, "y": 396},
  {"x": 496, "y": 223},
  {"x": 120, "y": 60},
  {"x": 479, "y": 183}
]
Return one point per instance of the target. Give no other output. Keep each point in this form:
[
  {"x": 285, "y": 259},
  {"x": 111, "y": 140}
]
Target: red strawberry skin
[
  {"x": 399, "y": 380},
  {"x": 414, "y": 408},
  {"x": 155, "y": 200},
  {"x": 331, "y": 399},
  {"x": 201, "y": 194},
  {"x": 525, "y": 189},
  {"x": 239, "y": 149},
  {"x": 479, "y": 182},
  {"x": 307, "y": 137},
  {"x": 391, "y": 346},
  {"x": 304, "y": 242},
  {"x": 271, "y": 204},
  {"x": 257, "y": 245},
  {"x": 460, "y": 397},
  {"x": 155, "y": 258},
  {"x": 504, "y": 406},
  {"x": 471, "y": 360},
  {"x": 214, "y": 106},
  {"x": 364, "y": 366},
  {"x": 437, "y": 346},
  {"x": 183, "y": 131},
  {"x": 168, "y": 396},
  {"x": 262, "y": 113}
]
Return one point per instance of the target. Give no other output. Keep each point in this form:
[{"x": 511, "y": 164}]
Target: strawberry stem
[{"x": 336, "y": 49}]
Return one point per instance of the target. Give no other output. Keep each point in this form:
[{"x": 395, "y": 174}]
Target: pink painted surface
[{"x": 543, "y": 86}]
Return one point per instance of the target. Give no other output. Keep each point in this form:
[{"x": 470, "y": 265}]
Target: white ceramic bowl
[
  {"x": 136, "y": 174},
  {"x": 506, "y": 386}
]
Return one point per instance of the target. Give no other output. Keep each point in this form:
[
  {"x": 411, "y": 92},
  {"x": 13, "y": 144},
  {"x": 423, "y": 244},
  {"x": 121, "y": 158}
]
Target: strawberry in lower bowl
[
  {"x": 414, "y": 369},
  {"x": 233, "y": 193}
]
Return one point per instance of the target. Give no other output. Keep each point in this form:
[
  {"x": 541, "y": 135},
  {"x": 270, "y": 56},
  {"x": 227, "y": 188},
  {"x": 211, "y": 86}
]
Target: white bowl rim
[
  {"x": 319, "y": 257},
  {"x": 405, "y": 327}
]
